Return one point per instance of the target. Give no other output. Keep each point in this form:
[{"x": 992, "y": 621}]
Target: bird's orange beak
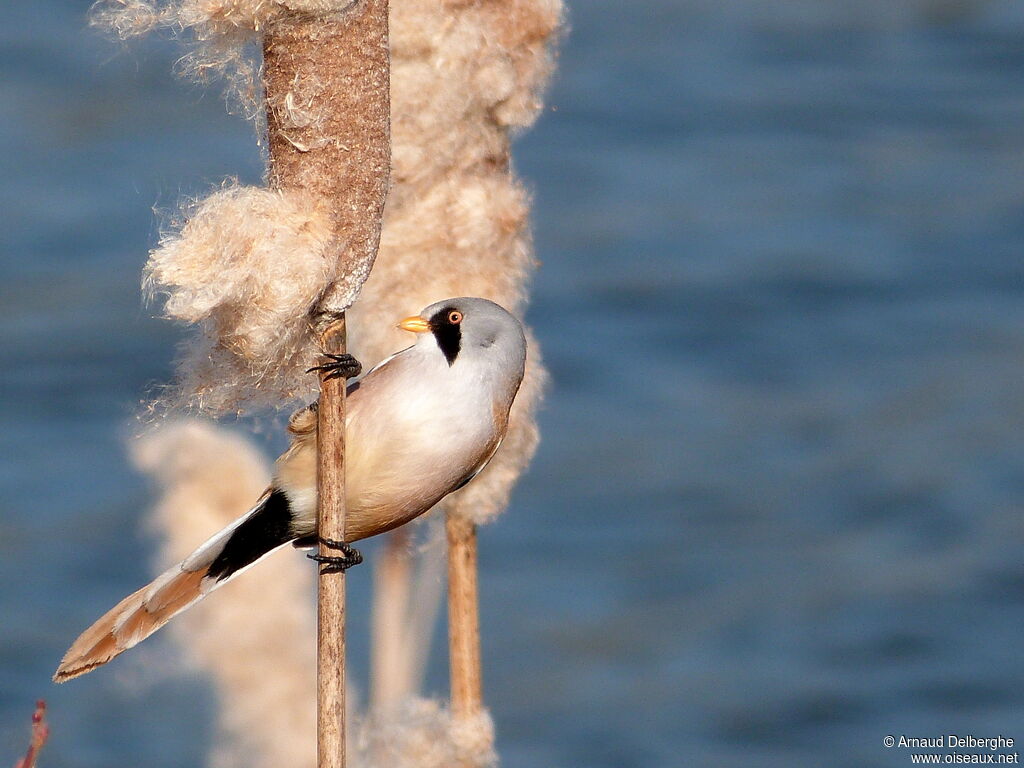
[{"x": 415, "y": 324}]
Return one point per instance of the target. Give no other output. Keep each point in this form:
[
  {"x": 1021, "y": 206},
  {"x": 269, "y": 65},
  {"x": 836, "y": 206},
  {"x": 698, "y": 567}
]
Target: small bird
[{"x": 419, "y": 425}]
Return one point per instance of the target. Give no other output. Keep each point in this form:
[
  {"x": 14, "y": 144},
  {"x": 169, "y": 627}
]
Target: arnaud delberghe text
[{"x": 953, "y": 741}]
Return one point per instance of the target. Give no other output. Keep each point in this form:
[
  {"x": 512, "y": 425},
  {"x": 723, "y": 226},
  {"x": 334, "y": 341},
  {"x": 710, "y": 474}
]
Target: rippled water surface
[{"x": 777, "y": 512}]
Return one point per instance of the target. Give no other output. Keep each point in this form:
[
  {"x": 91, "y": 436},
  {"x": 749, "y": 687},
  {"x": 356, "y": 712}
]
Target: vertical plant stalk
[
  {"x": 391, "y": 672},
  {"x": 463, "y": 619},
  {"x": 40, "y": 733},
  {"x": 331, "y": 525},
  {"x": 327, "y": 81}
]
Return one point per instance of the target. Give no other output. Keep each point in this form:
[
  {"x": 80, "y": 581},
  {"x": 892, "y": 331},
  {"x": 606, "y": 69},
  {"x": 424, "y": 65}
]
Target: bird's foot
[
  {"x": 332, "y": 564},
  {"x": 337, "y": 366}
]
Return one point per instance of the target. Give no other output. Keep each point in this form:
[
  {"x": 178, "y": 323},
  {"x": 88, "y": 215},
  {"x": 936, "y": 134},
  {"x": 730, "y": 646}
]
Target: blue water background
[{"x": 777, "y": 513}]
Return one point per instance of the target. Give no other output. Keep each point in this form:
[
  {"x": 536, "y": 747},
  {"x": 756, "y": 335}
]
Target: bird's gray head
[{"x": 470, "y": 329}]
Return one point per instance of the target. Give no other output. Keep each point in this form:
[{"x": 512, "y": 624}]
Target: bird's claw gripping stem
[
  {"x": 332, "y": 564},
  {"x": 338, "y": 366}
]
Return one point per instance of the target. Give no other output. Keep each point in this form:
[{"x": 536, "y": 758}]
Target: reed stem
[
  {"x": 331, "y": 525},
  {"x": 327, "y": 82},
  {"x": 391, "y": 672},
  {"x": 463, "y": 619}
]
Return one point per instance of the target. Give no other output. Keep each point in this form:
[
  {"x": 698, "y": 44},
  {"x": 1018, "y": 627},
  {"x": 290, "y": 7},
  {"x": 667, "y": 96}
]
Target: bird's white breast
[{"x": 415, "y": 428}]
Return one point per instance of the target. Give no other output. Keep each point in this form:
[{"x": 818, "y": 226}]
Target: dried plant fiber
[
  {"x": 207, "y": 477},
  {"x": 248, "y": 265},
  {"x": 406, "y": 603},
  {"x": 465, "y": 75},
  {"x": 218, "y": 34},
  {"x": 327, "y": 84},
  {"x": 423, "y": 734}
]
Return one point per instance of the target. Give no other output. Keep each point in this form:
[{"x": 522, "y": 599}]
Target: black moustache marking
[
  {"x": 268, "y": 528},
  {"x": 448, "y": 335}
]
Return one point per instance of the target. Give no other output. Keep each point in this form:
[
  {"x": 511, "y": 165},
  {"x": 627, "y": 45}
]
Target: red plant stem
[{"x": 40, "y": 732}]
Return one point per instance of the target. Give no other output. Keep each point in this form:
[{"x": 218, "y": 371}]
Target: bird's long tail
[{"x": 259, "y": 532}]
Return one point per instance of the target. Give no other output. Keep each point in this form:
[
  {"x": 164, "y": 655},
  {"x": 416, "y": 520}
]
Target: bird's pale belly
[{"x": 391, "y": 475}]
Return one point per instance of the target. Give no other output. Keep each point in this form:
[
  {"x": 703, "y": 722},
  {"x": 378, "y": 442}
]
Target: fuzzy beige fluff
[
  {"x": 256, "y": 635},
  {"x": 423, "y": 734},
  {"x": 207, "y": 477},
  {"x": 217, "y": 33},
  {"x": 465, "y": 75},
  {"x": 247, "y": 266}
]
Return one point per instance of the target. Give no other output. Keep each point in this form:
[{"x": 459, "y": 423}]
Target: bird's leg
[
  {"x": 338, "y": 366},
  {"x": 333, "y": 564}
]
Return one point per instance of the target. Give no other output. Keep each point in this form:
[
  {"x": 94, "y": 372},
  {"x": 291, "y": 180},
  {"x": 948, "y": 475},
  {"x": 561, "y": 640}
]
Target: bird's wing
[
  {"x": 387, "y": 360},
  {"x": 480, "y": 468}
]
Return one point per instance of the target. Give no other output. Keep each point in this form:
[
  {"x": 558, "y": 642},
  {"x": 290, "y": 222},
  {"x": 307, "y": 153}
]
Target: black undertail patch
[
  {"x": 448, "y": 334},
  {"x": 267, "y": 529}
]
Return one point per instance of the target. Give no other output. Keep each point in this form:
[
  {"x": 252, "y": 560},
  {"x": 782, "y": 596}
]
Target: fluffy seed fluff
[
  {"x": 423, "y": 734},
  {"x": 208, "y": 476},
  {"x": 218, "y": 35},
  {"x": 248, "y": 265},
  {"x": 464, "y": 76}
]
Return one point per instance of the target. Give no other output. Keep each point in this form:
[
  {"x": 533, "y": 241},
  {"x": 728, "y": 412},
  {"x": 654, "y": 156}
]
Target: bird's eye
[{"x": 455, "y": 317}]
